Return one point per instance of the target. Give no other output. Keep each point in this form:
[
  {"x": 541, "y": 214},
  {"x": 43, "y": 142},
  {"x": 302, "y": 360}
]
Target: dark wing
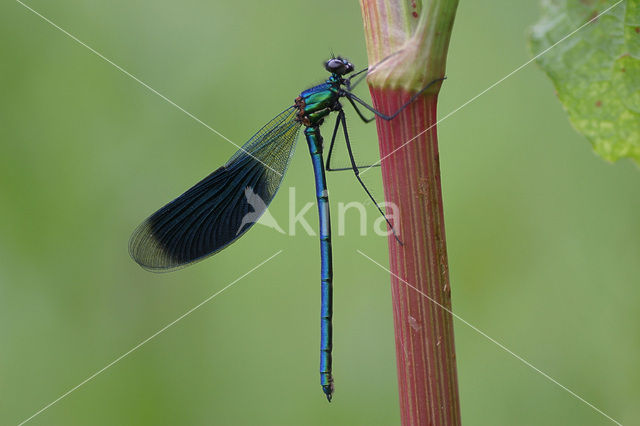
[{"x": 220, "y": 208}]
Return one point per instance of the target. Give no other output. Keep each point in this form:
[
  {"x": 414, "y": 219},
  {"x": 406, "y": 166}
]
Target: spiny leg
[
  {"x": 333, "y": 139},
  {"x": 351, "y": 97},
  {"x": 348, "y": 80},
  {"x": 362, "y": 117},
  {"x": 329, "y": 156},
  {"x": 372, "y": 68},
  {"x": 356, "y": 171}
]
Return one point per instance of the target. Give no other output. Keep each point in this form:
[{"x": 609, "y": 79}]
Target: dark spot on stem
[{"x": 598, "y": 104}]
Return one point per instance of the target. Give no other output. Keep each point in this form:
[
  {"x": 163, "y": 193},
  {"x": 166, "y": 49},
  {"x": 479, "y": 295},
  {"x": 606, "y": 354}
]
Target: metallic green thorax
[{"x": 316, "y": 103}]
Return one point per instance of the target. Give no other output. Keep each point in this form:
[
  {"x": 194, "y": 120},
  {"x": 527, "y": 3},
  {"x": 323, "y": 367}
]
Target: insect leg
[
  {"x": 351, "y": 97},
  {"x": 357, "y": 173}
]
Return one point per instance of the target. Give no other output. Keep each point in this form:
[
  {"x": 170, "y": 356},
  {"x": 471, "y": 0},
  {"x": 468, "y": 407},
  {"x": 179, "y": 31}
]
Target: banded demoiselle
[{"x": 212, "y": 214}]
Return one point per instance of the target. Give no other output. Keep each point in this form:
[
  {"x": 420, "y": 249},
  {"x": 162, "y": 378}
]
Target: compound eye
[{"x": 334, "y": 64}]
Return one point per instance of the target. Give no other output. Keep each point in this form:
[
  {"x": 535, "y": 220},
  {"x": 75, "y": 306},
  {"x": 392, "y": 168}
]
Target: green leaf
[{"x": 596, "y": 71}]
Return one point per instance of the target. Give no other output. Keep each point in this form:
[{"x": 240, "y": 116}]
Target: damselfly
[{"x": 213, "y": 213}]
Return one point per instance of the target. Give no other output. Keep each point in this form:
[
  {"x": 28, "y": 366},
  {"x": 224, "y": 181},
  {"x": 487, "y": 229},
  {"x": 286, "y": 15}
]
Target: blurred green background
[{"x": 543, "y": 236}]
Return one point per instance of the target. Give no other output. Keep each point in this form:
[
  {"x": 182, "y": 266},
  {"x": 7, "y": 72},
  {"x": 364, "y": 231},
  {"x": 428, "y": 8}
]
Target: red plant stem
[{"x": 425, "y": 351}]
